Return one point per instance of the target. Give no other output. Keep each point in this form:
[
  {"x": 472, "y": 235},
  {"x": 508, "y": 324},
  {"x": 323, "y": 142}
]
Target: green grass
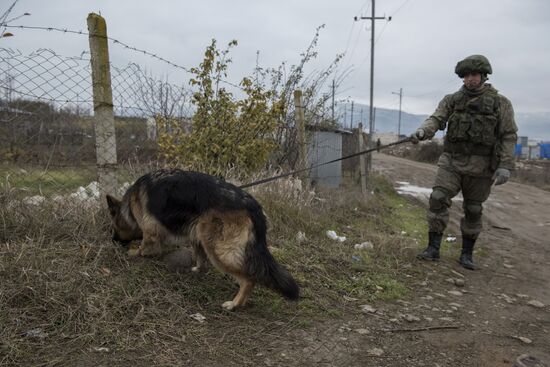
[
  {"x": 37, "y": 181},
  {"x": 33, "y": 180},
  {"x": 53, "y": 261}
]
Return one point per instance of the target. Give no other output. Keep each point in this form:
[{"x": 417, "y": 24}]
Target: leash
[{"x": 378, "y": 147}]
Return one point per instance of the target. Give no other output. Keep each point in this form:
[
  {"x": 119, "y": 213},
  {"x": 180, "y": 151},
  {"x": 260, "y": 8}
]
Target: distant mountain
[{"x": 535, "y": 125}]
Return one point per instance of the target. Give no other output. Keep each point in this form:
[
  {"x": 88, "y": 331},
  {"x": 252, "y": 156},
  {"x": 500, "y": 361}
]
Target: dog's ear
[{"x": 113, "y": 204}]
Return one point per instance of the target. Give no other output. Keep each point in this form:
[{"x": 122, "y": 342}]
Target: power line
[
  {"x": 400, "y": 7},
  {"x": 373, "y": 19}
]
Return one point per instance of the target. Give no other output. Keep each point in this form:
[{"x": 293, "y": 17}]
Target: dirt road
[
  {"x": 453, "y": 317},
  {"x": 514, "y": 271}
]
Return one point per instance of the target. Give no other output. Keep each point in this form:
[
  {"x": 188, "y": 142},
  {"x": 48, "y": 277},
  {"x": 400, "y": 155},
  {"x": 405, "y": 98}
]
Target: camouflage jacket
[{"x": 505, "y": 142}]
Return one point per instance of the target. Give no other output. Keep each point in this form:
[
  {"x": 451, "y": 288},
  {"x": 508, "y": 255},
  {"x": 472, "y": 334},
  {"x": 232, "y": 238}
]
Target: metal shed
[{"x": 325, "y": 146}]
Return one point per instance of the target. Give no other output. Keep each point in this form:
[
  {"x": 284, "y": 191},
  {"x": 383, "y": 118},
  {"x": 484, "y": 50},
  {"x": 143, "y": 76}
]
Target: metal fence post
[{"x": 104, "y": 121}]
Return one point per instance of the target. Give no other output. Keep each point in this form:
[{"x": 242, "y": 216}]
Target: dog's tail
[{"x": 262, "y": 267}]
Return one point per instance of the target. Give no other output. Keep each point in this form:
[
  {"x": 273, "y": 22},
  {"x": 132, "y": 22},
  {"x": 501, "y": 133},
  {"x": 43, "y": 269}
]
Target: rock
[
  {"x": 536, "y": 304},
  {"x": 525, "y": 360},
  {"x": 448, "y": 319},
  {"x": 344, "y": 329},
  {"x": 362, "y": 331},
  {"x": 524, "y": 339},
  {"x": 459, "y": 282},
  {"x": 455, "y": 293},
  {"x": 507, "y": 298},
  {"x": 410, "y": 318},
  {"x": 368, "y": 309},
  {"x": 377, "y": 352},
  {"x": 508, "y": 266}
]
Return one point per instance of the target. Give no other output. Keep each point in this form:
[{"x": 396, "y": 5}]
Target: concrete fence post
[
  {"x": 362, "y": 168},
  {"x": 104, "y": 121}
]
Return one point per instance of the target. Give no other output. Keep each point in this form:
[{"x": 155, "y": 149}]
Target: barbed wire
[{"x": 118, "y": 42}]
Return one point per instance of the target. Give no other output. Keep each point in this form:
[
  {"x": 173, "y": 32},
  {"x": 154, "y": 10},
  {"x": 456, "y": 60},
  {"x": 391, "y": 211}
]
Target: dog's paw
[{"x": 229, "y": 305}]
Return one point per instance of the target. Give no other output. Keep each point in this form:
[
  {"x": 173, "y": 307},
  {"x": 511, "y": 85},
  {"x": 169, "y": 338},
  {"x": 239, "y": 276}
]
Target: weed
[{"x": 67, "y": 291}]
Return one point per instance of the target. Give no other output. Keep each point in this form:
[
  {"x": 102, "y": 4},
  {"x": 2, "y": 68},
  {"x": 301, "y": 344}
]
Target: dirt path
[
  {"x": 515, "y": 271},
  {"x": 453, "y": 317}
]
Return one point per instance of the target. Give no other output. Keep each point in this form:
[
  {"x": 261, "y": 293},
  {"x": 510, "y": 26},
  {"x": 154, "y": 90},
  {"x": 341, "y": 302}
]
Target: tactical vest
[{"x": 472, "y": 126}]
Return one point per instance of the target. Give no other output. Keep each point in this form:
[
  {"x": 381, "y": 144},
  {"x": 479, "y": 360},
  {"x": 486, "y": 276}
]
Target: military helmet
[{"x": 473, "y": 64}]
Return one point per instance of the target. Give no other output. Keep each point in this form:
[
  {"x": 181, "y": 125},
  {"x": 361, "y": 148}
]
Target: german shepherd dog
[{"x": 221, "y": 221}]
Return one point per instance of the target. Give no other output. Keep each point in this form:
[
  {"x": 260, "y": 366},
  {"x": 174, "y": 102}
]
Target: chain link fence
[
  {"x": 47, "y": 136},
  {"x": 56, "y": 137}
]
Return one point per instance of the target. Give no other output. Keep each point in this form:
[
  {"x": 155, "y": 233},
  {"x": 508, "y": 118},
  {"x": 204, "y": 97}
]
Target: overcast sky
[{"x": 416, "y": 51}]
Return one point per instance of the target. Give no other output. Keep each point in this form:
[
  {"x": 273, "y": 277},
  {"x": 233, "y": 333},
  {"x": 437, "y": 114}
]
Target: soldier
[{"x": 477, "y": 152}]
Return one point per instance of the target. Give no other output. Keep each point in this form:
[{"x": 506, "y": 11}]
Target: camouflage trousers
[{"x": 448, "y": 183}]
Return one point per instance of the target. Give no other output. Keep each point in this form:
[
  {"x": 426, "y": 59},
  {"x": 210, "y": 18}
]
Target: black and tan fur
[{"x": 223, "y": 223}]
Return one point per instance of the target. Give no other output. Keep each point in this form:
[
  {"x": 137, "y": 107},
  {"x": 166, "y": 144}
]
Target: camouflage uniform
[
  {"x": 480, "y": 140},
  {"x": 469, "y": 161}
]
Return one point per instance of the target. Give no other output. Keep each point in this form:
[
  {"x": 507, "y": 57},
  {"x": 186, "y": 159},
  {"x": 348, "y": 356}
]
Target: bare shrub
[{"x": 536, "y": 173}]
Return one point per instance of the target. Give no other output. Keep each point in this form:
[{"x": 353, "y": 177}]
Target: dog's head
[{"x": 124, "y": 231}]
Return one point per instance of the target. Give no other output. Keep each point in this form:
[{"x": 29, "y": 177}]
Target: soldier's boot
[
  {"x": 466, "y": 254},
  {"x": 432, "y": 251}
]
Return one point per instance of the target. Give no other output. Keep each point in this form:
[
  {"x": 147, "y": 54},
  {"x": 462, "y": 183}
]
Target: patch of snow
[{"x": 405, "y": 188}]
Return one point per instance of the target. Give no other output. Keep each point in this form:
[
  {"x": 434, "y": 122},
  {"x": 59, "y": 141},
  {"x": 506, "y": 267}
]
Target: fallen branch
[{"x": 424, "y": 328}]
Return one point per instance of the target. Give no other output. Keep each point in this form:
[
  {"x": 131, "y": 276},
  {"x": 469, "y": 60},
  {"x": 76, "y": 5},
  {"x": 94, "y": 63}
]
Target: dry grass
[
  {"x": 533, "y": 172},
  {"x": 70, "y": 297}
]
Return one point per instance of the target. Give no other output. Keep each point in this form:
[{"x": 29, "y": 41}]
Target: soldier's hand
[
  {"x": 501, "y": 176},
  {"x": 418, "y": 135}
]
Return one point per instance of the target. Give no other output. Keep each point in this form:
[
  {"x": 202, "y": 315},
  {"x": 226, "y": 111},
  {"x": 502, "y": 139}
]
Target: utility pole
[
  {"x": 399, "y": 121},
  {"x": 351, "y": 122},
  {"x": 372, "y": 18}
]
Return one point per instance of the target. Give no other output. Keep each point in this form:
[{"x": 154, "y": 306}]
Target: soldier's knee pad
[
  {"x": 439, "y": 200},
  {"x": 473, "y": 211}
]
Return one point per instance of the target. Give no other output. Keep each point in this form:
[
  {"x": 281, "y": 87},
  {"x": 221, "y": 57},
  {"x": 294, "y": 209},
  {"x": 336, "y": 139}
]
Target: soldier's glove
[
  {"x": 501, "y": 176},
  {"x": 418, "y": 135}
]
